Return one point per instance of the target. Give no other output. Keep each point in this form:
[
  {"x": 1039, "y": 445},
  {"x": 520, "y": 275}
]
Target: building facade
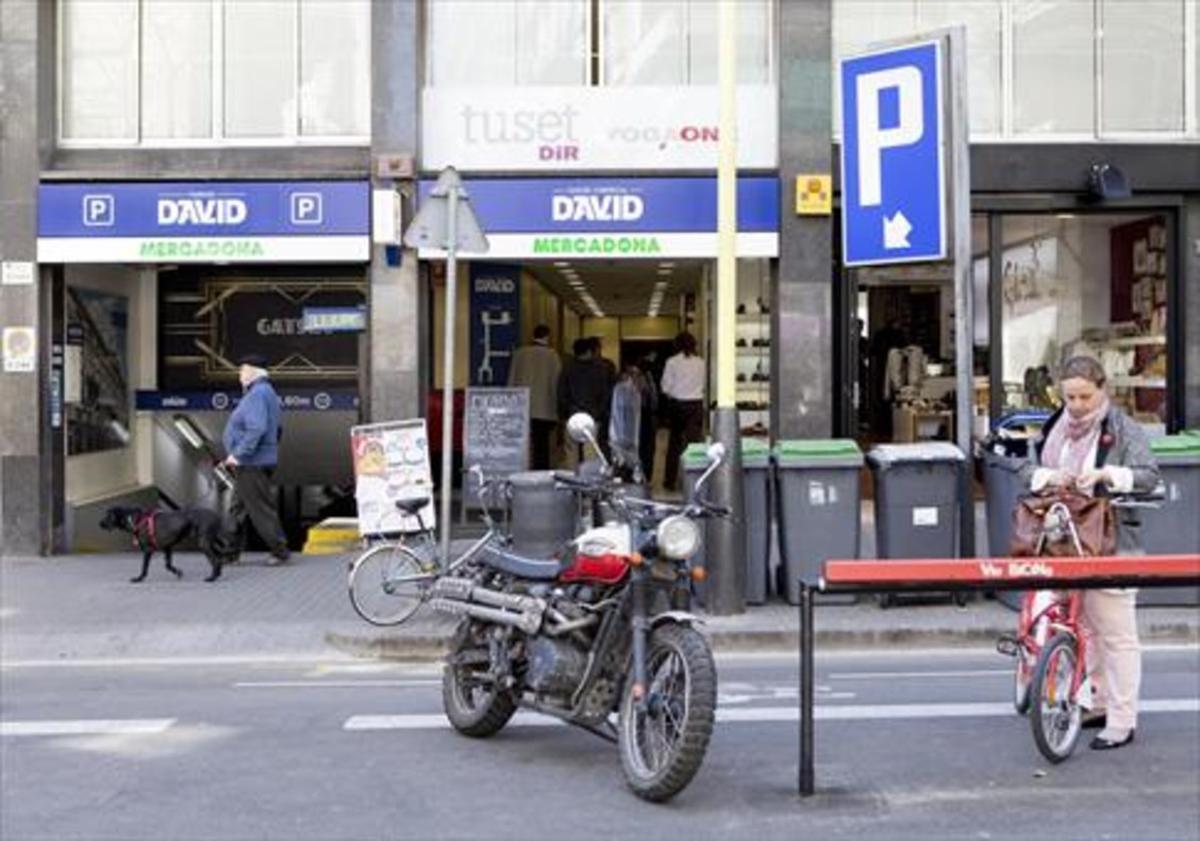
[{"x": 136, "y": 134}]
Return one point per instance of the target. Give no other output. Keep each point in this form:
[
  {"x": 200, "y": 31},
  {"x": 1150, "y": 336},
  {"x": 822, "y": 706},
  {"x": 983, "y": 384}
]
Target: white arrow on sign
[{"x": 896, "y": 231}]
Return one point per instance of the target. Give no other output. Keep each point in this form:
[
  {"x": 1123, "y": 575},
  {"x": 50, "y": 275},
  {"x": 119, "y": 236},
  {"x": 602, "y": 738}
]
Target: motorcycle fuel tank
[{"x": 601, "y": 556}]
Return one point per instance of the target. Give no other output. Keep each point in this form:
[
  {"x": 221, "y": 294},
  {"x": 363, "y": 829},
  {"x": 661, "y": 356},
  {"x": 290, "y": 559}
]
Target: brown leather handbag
[{"x": 1035, "y": 533}]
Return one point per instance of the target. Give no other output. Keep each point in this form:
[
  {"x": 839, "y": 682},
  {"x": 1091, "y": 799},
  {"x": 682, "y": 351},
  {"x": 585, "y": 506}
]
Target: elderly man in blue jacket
[{"x": 252, "y": 443}]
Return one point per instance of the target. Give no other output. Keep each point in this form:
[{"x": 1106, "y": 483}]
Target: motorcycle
[{"x": 599, "y": 638}]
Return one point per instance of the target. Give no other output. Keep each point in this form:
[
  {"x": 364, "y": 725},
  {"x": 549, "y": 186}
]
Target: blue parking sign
[{"x": 894, "y": 206}]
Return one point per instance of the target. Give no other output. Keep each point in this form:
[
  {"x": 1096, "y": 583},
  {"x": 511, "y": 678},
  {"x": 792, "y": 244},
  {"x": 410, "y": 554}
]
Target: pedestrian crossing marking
[
  {"x": 767, "y": 715},
  {"x": 88, "y": 727}
]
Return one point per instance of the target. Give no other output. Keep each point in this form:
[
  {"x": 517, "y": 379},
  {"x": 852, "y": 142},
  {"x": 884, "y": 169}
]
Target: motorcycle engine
[{"x": 555, "y": 667}]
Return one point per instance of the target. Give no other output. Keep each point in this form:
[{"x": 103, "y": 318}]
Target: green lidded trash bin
[
  {"x": 1173, "y": 527},
  {"x": 756, "y": 482},
  {"x": 818, "y": 483}
]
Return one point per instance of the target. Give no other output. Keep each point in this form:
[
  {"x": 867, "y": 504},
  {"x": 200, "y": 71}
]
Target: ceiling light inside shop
[
  {"x": 561, "y": 265},
  {"x": 666, "y": 265}
]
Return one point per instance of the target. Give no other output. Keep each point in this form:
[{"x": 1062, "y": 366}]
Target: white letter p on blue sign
[
  {"x": 893, "y": 178},
  {"x": 872, "y": 139}
]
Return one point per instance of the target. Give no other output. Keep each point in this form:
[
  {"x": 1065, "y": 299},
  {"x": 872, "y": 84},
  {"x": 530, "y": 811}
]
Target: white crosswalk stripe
[
  {"x": 87, "y": 727},
  {"x": 759, "y": 715}
]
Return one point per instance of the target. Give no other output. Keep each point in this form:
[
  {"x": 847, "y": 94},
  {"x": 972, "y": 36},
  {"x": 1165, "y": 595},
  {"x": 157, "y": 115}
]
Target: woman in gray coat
[{"x": 1092, "y": 446}]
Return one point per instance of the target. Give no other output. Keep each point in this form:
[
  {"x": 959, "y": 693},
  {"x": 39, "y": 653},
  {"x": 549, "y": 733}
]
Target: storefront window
[
  {"x": 1142, "y": 55},
  {"x": 753, "y": 57},
  {"x": 645, "y": 43},
  {"x": 1038, "y": 67},
  {"x": 860, "y": 23},
  {"x": 99, "y": 70},
  {"x": 508, "y": 42},
  {"x": 1053, "y": 73},
  {"x": 674, "y": 42},
  {"x": 328, "y": 69},
  {"x": 177, "y": 69},
  {"x": 1094, "y": 285},
  {"x": 260, "y": 38},
  {"x": 163, "y": 71}
]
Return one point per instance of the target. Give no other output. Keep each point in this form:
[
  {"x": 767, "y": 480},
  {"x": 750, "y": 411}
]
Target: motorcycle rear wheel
[
  {"x": 473, "y": 708},
  {"x": 663, "y": 744}
]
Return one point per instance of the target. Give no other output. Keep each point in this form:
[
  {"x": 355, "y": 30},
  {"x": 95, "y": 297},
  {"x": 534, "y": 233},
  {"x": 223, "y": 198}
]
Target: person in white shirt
[{"x": 683, "y": 385}]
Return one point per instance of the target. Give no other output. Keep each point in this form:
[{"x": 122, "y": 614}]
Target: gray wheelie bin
[
  {"x": 818, "y": 484},
  {"x": 1173, "y": 527},
  {"x": 1002, "y": 488},
  {"x": 543, "y": 516},
  {"x": 756, "y": 483},
  {"x": 916, "y": 500}
]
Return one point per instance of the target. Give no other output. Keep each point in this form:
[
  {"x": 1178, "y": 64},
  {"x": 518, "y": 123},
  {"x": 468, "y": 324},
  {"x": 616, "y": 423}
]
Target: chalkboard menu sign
[{"x": 495, "y": 435}]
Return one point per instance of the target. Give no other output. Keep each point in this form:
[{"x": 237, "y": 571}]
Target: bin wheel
[
  {"x": 886, "y": 600},
  {"x": 960, "y": 599}
]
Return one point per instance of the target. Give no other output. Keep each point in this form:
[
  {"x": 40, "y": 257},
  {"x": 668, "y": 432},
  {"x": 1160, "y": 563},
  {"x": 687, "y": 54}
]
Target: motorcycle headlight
[{"x": 678, "y": 537}]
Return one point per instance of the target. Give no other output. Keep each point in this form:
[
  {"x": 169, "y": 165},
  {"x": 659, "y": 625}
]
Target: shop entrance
[
  {"x": 148, "y": 378},
  {"x": 633, "y": 309},
  {"x": 1047, "y": 286}
]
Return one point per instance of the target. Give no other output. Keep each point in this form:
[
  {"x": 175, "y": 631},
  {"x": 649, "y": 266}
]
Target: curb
[{"x": 431, "y": 646}]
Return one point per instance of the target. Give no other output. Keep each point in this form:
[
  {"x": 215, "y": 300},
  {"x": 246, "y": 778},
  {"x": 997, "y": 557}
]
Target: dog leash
[{"x": 151, "y": 518}]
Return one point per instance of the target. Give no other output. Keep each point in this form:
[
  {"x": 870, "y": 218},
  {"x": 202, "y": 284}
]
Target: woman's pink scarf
[{"x": 1077, "y": 436}]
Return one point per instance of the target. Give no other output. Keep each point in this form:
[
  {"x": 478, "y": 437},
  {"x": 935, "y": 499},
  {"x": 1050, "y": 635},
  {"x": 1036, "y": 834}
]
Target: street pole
[
  {"x": 727, "y": 535},
  {"x": 964, "y": 286},
  {"x": 450, "y": 305}
]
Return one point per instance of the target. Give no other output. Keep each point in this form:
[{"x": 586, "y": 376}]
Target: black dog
[{"x": 163, "y": 530}]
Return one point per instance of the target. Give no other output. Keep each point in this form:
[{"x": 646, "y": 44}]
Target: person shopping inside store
[
  {"x": 683, "y": 385},
  {"x": 1093, "y": 447},
  {"x": 537, "y": 367}
]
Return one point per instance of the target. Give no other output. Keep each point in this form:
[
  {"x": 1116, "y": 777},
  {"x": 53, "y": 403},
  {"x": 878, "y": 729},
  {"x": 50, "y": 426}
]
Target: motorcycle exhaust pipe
[
  {"x": 464, "y": 589},
  {"x": 527, "y": 622}
]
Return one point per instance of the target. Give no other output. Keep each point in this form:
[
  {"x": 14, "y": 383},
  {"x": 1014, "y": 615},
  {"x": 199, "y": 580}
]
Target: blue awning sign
[{"x": 220, "y": 221}]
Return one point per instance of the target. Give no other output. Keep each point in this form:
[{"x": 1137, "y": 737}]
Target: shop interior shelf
[
  {"x": 1138, "y": 382},
  {"x": 1136, "y": 341}
]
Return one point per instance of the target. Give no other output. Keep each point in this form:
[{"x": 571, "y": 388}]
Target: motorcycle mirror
[{"x": 582, "y": 428}]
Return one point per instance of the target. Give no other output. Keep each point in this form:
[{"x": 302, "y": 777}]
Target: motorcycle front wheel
[{"x": 663, "y": 741}]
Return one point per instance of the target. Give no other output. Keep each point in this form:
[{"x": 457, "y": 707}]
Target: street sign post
[
  {"x": 445, "y": 221},
  {"x": 906, "y": 185}
]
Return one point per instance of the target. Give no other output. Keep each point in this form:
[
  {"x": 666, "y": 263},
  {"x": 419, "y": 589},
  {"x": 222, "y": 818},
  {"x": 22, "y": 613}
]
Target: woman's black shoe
[{"x": 1100, "y": 743}]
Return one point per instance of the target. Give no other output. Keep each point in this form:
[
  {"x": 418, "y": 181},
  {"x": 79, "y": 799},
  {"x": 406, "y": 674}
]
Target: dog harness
[{"x": 147, "y": 520}]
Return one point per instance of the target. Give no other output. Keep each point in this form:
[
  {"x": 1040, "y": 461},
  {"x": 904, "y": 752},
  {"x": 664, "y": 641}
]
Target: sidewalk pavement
[{"x": 82, "y": 607}]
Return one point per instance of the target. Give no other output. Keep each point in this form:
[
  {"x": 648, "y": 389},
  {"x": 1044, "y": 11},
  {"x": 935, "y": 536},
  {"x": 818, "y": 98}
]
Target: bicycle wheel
[
  {"x": 1056, "y": 716},
  {"x": 388, "y": 583}
]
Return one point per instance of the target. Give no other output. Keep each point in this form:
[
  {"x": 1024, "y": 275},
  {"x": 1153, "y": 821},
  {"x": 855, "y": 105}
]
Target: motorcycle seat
[{"x": 520, "y": 566}]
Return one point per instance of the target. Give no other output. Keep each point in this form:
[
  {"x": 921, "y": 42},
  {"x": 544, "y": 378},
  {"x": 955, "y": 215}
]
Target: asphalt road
[{"x": 909, "y": 745}]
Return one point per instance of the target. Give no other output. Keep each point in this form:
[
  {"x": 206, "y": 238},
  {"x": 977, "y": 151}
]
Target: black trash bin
[
  {"x": 1174, "y": 527},
  {"x": 917, "y": 501}
]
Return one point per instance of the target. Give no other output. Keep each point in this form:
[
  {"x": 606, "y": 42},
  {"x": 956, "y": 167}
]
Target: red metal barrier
[
  {"x": 889, "y": 576},
  {"x": 1003, "y": 573}
]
